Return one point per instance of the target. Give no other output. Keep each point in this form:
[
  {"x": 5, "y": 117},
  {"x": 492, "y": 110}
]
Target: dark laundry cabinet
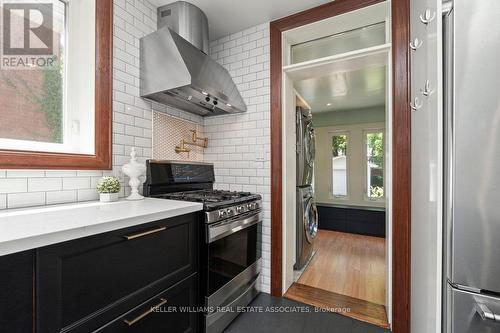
[{"x": 362, "y": 221}]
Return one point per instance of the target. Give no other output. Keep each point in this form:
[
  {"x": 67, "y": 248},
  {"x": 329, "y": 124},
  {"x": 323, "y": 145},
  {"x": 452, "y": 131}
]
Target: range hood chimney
[
  {"x": 187, "y": 20},
  {"x": 175, "y": 67}
]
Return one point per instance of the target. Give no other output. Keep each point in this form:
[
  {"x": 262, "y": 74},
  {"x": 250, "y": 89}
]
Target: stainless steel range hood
[{"x": 175, "y": 69}]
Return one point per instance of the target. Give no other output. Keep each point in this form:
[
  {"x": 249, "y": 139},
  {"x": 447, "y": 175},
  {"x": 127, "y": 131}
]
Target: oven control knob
[
  {"x": 239, "y": 209},
  {"x": 252, "y": 206},
  {"x": 229, "y": 212},
  {"x": 222, "y": 213}
]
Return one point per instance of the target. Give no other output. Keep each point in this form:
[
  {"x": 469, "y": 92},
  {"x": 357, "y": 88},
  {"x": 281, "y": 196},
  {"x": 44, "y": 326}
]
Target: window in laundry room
[
  {"x": 339, "y": 165},
  {"x": 374, "y": 164}
]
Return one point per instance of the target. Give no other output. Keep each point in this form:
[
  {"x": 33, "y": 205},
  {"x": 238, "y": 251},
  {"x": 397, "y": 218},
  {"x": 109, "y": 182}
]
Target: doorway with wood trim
[{"x": 288, "y": 66}]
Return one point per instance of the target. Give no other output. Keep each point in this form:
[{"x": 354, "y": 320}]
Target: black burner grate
[{"x": 212, "y": 199}]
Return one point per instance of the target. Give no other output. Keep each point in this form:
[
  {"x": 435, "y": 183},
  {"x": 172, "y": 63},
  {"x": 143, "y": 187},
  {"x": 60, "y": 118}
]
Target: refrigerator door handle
[
  {"x": 448, "y": 115},
  {"x": 485, "y": 312}
]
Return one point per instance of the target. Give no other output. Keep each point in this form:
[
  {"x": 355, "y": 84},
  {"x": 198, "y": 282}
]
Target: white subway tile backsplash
[
  {"x": 118, "y": 128},
  {"x": 44, "y": 184},
  {"x": 123, "y": 118},
  {"x": 133, "y": 10},
  {"x": 236, "y": 140},
  {"x": 119, "y": 64},
  {"x": 235, "y": 187},
  {"x": 18, "y": 200},
  {"x": 59, "y": 197},
  {"x": 131, "y": 89},
  {"x": 142, "y": 142},
  {"x": 89, "y": 173},
  {"x": 123, "y": 77},
  {"x": 123, "y": 56},
  {"x": 257, "y": 180},
  {"x": 133, "y": 131},
  {"x": 122, "y": 13},
  {"x": 3, "y": 201},
  {"x": 14, "y": 185},
  {"x": 60, "y": 173},
  {"x": 25, "y": 173},
  {"x": 119, "y": 22},
  {"x": 123, "y": 139},
  {"x": 87, "y": 195},
  {"x": 133, "y": 30},
  {"x": 133, "y": 111},
  {"x": 144, "y": 123},
  {"x": 94, "y": 181},
  {"x": 141, "y": 103},
  {"x": 131, "y": 49},
  {"x": 242, "y": 180},
  {"x": 132, "y": 70},
  {"x": 118, "y": 149},
  {"x": 118, "y": 85},
  {"x": 76, "y": 183},
  {"x": 124, "y": 97},
  {"x": 147, "y": 133},
  {"x": 120, "y": 160},
  {"x": 249, "y": 188},
  {"x": 149, "y": 21}
]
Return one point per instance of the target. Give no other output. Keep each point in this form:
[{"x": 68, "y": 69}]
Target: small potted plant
[{"x": 108, "y": 188}]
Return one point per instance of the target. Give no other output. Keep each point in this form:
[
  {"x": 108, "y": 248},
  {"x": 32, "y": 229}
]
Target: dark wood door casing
[{"x": 401, "y": 151}]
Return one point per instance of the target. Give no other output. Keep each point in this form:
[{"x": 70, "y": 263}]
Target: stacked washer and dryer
[{"x": 307, "y": 213}]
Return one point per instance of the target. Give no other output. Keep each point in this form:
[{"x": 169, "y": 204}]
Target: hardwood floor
[
  {"x": 348, "y": 264},
  {"x": 345, "y": 305}
]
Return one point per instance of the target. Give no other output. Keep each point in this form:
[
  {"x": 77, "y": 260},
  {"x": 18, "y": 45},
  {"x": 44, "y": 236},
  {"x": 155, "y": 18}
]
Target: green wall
[{"x": 349, "y": 117}]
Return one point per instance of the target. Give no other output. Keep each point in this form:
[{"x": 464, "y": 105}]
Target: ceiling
[
  {"x": 340, "y": 91},
  {"x": 229, "y": 16}
]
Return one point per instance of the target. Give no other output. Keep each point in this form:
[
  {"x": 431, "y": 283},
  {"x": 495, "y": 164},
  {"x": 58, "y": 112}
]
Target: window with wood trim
[
  {"x": 375, "y": 158},
  {"x": 339, "y": 166},
  {"x": 55, "y": 85}
]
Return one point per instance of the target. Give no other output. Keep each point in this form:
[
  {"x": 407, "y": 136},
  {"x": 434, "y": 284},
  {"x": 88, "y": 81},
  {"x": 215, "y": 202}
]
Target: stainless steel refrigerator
[{"x": 471, "y": 31}]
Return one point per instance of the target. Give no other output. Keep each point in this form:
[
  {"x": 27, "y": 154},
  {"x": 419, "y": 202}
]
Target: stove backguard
[{"x": 172, "y": 176}]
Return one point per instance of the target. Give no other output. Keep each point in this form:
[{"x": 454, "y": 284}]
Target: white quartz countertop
[{"x": 24, "y": 229}]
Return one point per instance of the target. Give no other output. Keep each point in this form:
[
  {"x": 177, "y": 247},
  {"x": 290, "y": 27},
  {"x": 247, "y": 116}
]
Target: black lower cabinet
[
  {"x": 17, "y": 293},
  {"x": 84, "y": 284},
  {"x": 171, "y": 311}
]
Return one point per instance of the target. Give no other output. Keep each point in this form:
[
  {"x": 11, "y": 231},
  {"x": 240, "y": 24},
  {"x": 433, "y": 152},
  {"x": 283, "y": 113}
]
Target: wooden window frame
[
  {"x": 401, "y": 147},
  {"x": 102, "y": 159}
]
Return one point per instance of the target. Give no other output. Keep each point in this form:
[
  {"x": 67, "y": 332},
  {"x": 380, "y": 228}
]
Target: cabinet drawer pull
[
  {"x": 144, "y": 233},
  {"x": 141, "y": 316}
]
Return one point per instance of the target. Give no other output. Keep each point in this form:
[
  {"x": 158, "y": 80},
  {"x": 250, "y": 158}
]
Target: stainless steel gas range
[{"x": 230, "y": 252}]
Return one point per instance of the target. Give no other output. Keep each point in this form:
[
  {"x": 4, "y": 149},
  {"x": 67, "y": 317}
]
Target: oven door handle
[{"x": 220, "y": 230}]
